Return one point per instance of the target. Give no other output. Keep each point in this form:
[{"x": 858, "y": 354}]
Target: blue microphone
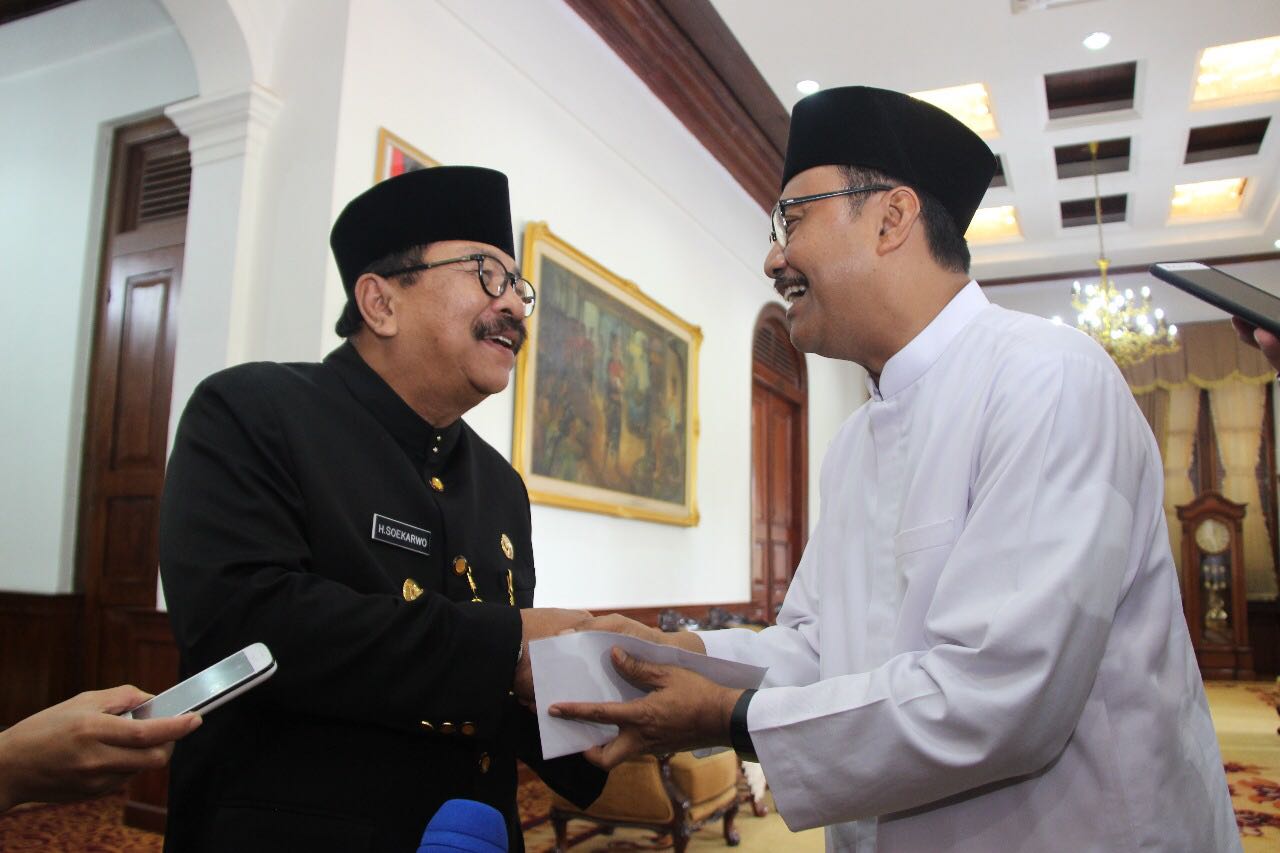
[{"x": 465, "y": 826}]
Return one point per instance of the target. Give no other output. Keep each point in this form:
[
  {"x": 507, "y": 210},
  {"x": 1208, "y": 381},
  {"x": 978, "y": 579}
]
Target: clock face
[{"x": 1212, "y": 536}]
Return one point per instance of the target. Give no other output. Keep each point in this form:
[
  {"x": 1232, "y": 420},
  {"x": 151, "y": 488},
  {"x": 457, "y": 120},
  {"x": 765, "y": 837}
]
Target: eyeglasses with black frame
[
  {"x": 778, "y": 218},
  {"x": 494, "y": 277}
]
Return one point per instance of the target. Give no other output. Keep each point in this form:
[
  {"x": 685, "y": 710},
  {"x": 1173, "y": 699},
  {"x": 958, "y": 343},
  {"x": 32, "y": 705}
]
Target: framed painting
[
  {"x": 606, "y": 392},
  {"x": 395, "y": 157}
]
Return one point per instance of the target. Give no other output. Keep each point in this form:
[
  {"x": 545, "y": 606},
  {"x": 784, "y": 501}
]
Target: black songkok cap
[
  {"x": 424, "y": 206},
  {"x": 905, "y": 138}
]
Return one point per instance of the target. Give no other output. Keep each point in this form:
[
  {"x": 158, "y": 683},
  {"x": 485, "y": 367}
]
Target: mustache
[
  {"x": 782, "y": 283},
  {"x": 505, "y": 325}
]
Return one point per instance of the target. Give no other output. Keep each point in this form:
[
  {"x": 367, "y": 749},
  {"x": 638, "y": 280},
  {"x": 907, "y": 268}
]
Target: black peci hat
[
  {"x": 424, "y": 206},
  {"x": 905, "y": 138}
]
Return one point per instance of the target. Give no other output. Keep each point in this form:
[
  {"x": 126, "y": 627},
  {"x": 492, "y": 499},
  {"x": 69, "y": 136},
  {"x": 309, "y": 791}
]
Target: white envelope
[{"x": 577, "y": 668}]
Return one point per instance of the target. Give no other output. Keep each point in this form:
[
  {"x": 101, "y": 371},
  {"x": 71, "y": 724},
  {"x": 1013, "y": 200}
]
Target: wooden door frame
[
  {"x": 125, "y": 139},
  {"x": 762, "y": 375}
]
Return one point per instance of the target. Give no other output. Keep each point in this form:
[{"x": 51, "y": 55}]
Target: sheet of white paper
[{"x": 577, "y": 668}]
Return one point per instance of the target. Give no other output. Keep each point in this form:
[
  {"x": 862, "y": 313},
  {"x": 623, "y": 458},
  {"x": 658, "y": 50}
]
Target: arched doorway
[{"x": 779, "y": 461}]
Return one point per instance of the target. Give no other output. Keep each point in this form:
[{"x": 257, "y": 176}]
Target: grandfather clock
[{"x": 1213, "y": 585}]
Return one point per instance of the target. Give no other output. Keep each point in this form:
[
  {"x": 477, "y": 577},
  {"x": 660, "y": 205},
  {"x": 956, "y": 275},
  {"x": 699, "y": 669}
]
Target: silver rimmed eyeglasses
[
  {"x": 494, "y": 277},
  {"x": 778, "y": 217}
]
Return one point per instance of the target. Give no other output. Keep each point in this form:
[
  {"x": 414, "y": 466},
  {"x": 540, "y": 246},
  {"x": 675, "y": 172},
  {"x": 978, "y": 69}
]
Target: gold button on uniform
[
  {"x": 437, "y": 484},
  {"x": 427, "y": 727},
  {"x": 446, "y": 728},
  {"x": 411, "y": 590},
  {"x": 468, "y": 729},
  {"x": 459, "y": 565},
  {"x": 484, "y": 762},
  {"x": 507, "y": 550}
]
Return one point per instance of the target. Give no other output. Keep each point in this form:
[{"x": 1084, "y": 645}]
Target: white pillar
[{"x": 227, "y": 136}]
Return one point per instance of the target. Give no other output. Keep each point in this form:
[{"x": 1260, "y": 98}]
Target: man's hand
[
  {"x": 682, "y": 711},
  {"x": 1259, "y": 339},
  {"x": 536, "y": 623},
  {"x": 619, "y": 624},
  {"x": 79, "y": 748}
]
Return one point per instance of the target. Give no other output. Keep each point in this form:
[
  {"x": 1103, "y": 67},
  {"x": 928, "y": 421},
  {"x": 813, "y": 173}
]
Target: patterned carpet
[
  {"x": 92, "y": 827},
  {"x": 1245, "y": 719},
  {"x": 1243, "y": 713}
]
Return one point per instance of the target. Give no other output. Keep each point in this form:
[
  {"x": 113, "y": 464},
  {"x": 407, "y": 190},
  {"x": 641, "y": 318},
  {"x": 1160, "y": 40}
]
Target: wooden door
[
  {"x": 779, "y": 463},
  {"x": 131, "y": 374}
]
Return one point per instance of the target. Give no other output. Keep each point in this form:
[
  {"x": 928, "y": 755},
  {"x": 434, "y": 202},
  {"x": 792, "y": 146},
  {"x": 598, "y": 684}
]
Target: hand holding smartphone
[
  {"x": 1252, "y": 304},
  {"x": 212, "y": 687}
]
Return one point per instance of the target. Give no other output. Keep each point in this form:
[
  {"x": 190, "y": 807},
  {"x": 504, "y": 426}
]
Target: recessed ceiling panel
[
  {"x": 969, "y": 103},
  {"x": 1242, "y": 70},
  {"x": 999, "y": 179},
  {"x": 1220, "y": 141},
  {"x": 1101, "y": 89},
  {"x": 993, "y": 223},
  {"x": 1080, "y": 211},
  {"x": 1205, "y": 199},
  {"x": 1075, "y": 160}
]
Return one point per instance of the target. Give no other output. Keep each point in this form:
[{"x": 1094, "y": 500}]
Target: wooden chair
[{"x": 673, "y": 795}]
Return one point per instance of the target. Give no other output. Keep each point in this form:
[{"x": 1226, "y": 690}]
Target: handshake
[
  {"x": 680, "y": 709},
  {"x": 540, "y": 622}
]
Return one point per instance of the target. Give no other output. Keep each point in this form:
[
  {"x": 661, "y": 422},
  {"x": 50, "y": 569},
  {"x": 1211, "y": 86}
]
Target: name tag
[{"x": 401, "y": 535}]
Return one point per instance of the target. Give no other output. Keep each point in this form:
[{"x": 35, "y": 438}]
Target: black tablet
[{"x": 1223, "y": 291}]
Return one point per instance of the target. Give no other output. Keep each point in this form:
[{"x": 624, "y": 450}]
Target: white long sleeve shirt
[{"x": 983, "y": 648}]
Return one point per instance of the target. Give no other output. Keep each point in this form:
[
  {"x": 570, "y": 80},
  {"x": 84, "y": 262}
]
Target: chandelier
[{"x": 1123, "y": 322}]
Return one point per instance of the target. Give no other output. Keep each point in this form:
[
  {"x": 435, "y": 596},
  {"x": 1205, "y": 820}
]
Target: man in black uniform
[{"x": 344, "y": 514}]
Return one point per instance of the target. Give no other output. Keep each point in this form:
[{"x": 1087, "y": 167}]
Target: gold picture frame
[
  {"x": 606, "y": 392},
  {"x": 395, "y": 157}
]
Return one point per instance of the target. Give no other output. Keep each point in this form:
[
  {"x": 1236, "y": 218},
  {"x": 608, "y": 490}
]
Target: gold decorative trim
[
  {"x": 1207, "y": 384},
  {"x": 538, "y": 235},
  {"x": 382, "y": 162}
]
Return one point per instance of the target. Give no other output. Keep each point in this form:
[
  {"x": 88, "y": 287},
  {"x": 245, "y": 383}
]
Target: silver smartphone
[
  {"x": 212, "y": 687},
  {"x": 1227, "y": 292}
]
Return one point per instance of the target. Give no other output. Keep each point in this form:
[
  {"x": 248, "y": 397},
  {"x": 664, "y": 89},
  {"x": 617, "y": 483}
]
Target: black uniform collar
[{"x": 426, "y": 445}]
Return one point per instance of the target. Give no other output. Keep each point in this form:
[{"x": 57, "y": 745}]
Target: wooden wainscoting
[
  {"x": 151, "y": 661},
  {"x": 649, "y": 615},
  {"x": 41, "y": 646},
  {"x": 148, "y": 657}
]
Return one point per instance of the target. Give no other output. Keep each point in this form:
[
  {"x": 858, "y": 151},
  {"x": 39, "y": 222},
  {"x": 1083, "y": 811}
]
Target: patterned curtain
[
  {"x": 1178, "y": 446},
  {"x": 1155, "y": 408},
  {"x": 1212, "y": 358},
  {"x": 1237, "y": 410}
]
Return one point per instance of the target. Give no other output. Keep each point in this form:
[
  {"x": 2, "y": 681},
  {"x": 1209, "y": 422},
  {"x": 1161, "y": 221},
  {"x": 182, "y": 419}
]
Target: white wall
[
  {"x": 529, "y": 89},
  {"x": 290, "y": 317},
  {"x": 68, "y": 76}
]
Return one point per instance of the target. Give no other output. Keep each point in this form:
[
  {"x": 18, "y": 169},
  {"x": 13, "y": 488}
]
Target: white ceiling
[{"x": 912, "y": 45}]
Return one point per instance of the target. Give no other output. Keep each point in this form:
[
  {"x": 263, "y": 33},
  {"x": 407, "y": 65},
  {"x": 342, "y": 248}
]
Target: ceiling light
[
  {"x": 1117, "y": 319},
  {"x": 808, "y": 87},
  {"x": 1097, "y": 41},
  {"x": 1207, "y": 198},
  {"x": 993, "y": 223},
  {"x": 1240, "y": 70},
  {"x": 1276, "y": 244},
  {"x": 969, "y": 103}
]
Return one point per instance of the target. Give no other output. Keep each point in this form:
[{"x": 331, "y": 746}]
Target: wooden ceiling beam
[
  {"x": 686, "y": 55},
  {"x": 14, "y": 10}
]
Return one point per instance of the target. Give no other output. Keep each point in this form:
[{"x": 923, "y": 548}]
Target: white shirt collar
[{"x": 910, "y": 363}]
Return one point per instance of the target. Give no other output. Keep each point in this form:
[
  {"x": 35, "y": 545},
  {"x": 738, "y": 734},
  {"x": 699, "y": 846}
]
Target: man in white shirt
[{"x": 983, "y": 648}]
